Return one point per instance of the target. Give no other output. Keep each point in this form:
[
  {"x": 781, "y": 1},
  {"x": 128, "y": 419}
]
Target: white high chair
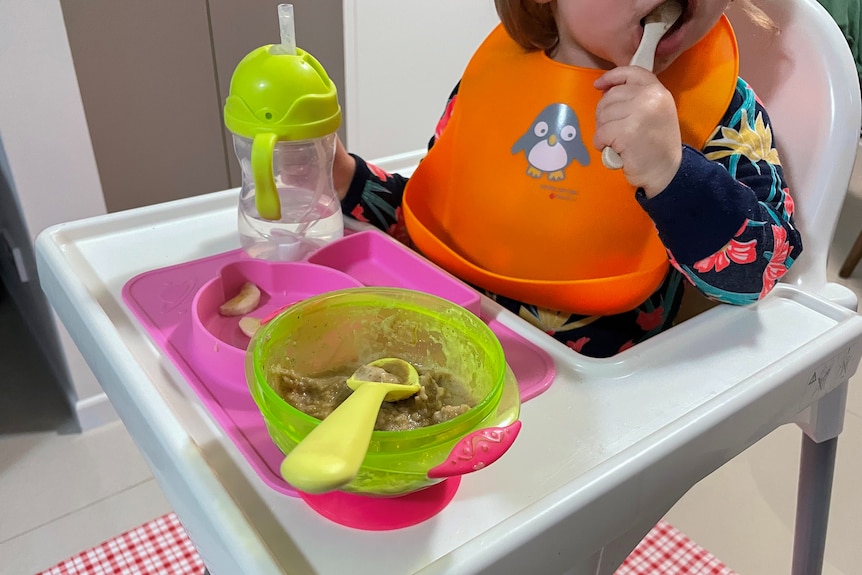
[
  {"x": 806, "y": 77},
  {"x": 604, "y": 452}
]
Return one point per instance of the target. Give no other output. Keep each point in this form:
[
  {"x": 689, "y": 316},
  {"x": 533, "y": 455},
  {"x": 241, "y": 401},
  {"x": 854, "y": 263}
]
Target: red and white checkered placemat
[
  {"x": 667, "y": 551},
  {"x": 158, "y": 547},
  {"x": 161, "y": 547}
]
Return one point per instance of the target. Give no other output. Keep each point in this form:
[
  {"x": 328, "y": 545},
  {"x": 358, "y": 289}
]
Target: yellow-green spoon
[{"x": 330, "y": 456}]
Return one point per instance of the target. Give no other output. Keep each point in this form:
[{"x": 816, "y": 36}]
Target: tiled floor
[{"x": 61, "y": 492}]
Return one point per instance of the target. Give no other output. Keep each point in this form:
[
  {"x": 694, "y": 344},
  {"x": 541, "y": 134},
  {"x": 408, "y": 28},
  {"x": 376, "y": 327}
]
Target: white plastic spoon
[{"x": 656, "y": 24}]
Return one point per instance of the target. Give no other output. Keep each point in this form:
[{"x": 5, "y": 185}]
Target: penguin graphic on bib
[{"x": 552, "y": 142}]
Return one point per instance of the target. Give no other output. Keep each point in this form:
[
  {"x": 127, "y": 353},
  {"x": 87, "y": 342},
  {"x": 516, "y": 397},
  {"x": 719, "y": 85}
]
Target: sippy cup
[{"x": 283, "y": 111}]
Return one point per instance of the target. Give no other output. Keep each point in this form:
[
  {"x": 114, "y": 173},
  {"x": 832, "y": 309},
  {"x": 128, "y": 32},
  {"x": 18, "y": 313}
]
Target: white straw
[{"x": 286, "y": 28}]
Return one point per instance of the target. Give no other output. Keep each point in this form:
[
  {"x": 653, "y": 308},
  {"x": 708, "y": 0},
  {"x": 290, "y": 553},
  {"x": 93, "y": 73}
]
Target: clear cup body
[{"x": 310, "y": 209}]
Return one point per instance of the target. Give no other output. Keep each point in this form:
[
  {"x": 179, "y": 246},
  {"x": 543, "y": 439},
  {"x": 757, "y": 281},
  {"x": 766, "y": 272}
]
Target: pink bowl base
[{"x": 383, "y": 513}]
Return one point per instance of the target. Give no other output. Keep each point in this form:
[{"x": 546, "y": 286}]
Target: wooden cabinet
[
  {"x": 146, "y": 78},
  {"x": 153, "y": 78}
]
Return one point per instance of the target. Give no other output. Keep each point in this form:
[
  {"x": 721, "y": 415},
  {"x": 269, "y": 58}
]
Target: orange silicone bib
[{"x": 514, "y": 198}]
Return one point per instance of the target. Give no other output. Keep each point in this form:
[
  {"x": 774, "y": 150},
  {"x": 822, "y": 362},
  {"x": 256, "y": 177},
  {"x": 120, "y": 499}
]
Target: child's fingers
[
  {"x": 624, "y": 75},
  {"x": 616, "y": 103}
]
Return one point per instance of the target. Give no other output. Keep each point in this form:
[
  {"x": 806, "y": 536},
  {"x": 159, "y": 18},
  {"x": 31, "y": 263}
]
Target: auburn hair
[{"x": 532, "y": 25}]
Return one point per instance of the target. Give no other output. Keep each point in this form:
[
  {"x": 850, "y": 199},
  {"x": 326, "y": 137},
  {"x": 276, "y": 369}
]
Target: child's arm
[
  {"x": 372, "y": 195},
  {"x": 726, "y": 217}
]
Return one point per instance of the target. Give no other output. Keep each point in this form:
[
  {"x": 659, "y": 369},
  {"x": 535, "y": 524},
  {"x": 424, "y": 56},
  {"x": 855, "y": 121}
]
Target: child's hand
[{"x": 637, "y": 118}]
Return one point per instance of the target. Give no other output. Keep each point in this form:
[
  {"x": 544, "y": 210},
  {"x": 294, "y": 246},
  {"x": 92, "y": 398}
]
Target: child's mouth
[
  {"x": 687, "y": 10},
  {"x": 671, "y": 41}
]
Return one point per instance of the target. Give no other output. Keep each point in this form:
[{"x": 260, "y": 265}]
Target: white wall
[
  {"x": 50, "y": 174},
  {"x": 402, "y": 59}
]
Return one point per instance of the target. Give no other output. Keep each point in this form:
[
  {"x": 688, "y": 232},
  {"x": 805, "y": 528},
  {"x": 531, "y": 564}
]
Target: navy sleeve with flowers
[{"x": 725, "y": 219}]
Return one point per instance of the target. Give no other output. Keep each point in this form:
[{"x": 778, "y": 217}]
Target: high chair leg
[
  {"x": 852, "y": 258},
  {"x": 816, "y": 472}
]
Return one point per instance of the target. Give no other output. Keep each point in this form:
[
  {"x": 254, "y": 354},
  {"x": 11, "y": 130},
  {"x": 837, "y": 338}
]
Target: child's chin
[{"x": 662, "y": 63}]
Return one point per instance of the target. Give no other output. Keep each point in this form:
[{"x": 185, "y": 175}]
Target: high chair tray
[
  {"x": 178, "y": 307},
  {"x": 603, "y": 453}
]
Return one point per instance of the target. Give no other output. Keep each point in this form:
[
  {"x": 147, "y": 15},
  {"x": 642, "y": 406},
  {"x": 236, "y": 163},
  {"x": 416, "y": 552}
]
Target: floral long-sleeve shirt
[{"x": 726, "y": 220}]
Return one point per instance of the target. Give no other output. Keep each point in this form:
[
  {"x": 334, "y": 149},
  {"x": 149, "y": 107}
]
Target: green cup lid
[{"x": 288, "y": 95}]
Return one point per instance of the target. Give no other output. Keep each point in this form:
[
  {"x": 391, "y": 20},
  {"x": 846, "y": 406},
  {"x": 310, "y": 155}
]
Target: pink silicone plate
[
  {"x": 178, "y": 307},
  {"x": 378, "y": 260}
]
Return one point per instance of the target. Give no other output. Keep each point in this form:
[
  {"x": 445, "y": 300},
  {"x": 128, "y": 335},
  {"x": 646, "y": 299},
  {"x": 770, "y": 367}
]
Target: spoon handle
[
  {"x": 645, "y": 54},
  {"x": 645, "y": 58},
  {"x": 330, "y": 456},
  {"x": 657, "y": 23}
]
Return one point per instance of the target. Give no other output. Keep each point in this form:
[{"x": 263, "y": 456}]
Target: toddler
[{"x": 513, "y": 197}]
